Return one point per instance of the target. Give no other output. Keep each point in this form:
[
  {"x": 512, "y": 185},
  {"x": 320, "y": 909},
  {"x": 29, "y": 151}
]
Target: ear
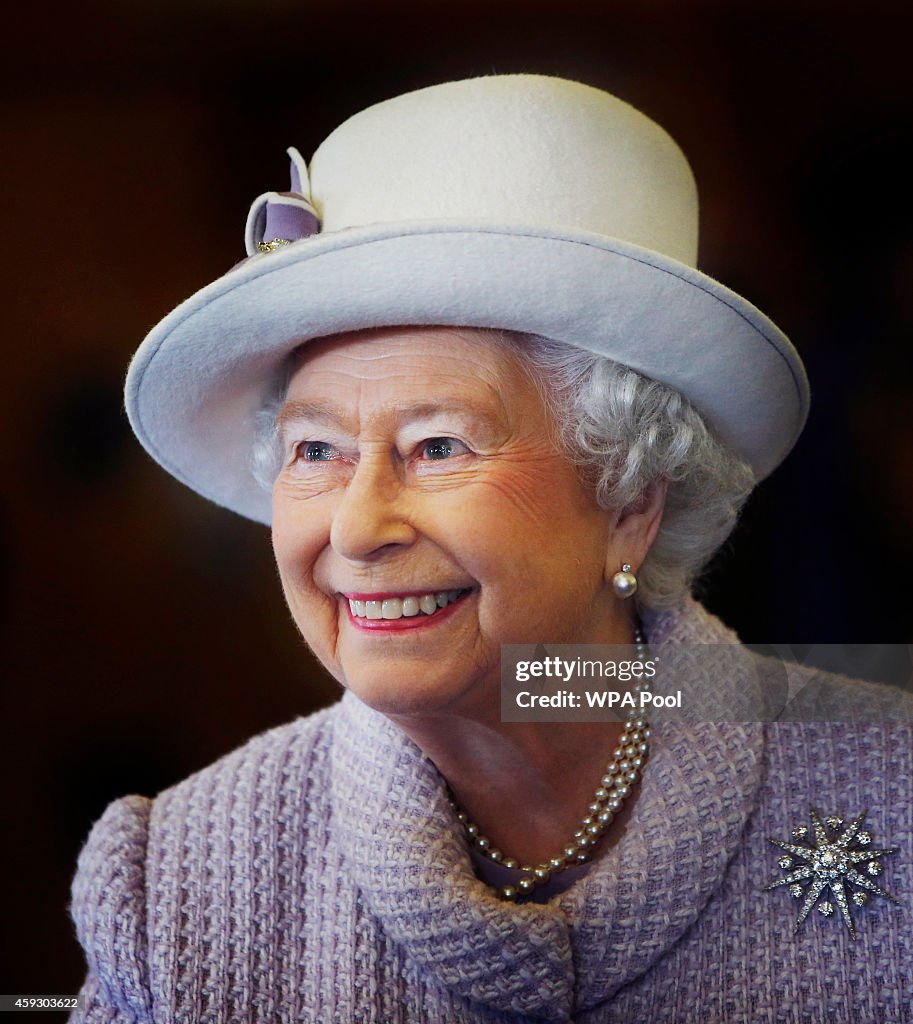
[{"x": 634, "y": 530}]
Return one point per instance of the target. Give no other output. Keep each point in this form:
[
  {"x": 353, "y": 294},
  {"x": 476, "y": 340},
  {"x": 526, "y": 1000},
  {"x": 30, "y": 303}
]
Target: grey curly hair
[{"x": 624, "y": 432}]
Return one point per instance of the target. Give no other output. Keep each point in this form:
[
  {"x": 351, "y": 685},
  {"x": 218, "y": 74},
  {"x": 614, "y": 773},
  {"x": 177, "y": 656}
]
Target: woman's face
[{"x": 417, "y": 463}]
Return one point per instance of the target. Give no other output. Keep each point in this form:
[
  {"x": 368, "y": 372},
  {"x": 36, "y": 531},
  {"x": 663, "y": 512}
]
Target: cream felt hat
[{"x": 522, "y": 202}]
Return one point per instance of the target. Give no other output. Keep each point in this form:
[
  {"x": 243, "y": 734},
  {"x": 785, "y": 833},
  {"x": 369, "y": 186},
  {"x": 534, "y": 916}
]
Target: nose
[{"x": 370, "y": 520}]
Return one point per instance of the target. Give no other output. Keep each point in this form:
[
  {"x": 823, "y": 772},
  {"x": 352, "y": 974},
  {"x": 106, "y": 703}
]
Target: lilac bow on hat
[{"x": 282, "y": 217}]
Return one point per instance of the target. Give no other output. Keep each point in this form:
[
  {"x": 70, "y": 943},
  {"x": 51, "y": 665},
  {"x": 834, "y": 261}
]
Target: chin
[{"x": 398, "y": 692}]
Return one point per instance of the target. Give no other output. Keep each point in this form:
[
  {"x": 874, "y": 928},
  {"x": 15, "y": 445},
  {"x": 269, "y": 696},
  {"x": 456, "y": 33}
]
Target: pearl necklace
[{"x": 621, "y": 773}]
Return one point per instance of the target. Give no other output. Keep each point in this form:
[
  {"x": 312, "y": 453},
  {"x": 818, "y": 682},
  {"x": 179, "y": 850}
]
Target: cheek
[
  {"x": 298, "y": 539},
  {"x": 536, "y": 542},
  {"x": 289, "y": 546},
  {"x": 539, "y": 513},
  {"x": 501, "y": 533},
  {"x": 523, "y": 493},
  {"x": 315, "y": 614}
]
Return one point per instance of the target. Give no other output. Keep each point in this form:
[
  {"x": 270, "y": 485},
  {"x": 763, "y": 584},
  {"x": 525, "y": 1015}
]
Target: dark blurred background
[{"x": 143, "y": 630}]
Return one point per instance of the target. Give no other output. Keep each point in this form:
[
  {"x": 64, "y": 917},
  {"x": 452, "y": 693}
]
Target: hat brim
[{"x": 201, "y": 374}]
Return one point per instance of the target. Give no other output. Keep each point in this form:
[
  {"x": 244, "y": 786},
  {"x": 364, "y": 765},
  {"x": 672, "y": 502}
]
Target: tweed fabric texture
[{"x": 318, "y": 874}]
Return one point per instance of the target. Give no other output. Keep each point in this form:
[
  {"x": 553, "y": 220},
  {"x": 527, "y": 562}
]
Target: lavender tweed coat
[{"x": 317, "y": 874}]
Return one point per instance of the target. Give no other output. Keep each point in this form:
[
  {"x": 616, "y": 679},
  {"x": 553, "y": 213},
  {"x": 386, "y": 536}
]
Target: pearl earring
[{"x": 624, "y": 583}]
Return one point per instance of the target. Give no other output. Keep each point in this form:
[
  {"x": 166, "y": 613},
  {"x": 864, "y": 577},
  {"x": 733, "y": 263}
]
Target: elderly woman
[{"x": 472, "y": 379}]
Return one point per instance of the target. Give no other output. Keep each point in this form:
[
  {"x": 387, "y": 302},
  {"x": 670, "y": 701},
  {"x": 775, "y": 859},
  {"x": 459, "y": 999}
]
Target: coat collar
[{"x": 409, "y": 858}]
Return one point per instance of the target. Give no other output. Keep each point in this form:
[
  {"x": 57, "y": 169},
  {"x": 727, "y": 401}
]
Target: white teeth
[{"x": 399, "y": 607}]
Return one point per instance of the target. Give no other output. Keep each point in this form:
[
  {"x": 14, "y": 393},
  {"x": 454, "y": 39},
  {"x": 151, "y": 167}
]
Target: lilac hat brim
[{"x": 198, "y": 379}]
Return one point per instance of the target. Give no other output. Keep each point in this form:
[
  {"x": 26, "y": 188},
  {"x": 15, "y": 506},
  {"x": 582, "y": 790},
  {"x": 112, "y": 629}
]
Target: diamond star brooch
[{"x": 836, "y": 857}]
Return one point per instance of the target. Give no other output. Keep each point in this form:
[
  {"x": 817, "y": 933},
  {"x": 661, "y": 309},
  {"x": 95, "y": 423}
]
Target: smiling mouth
[
  {"x": 391, "y": 612},
  {"x": 392, "y": 608}
]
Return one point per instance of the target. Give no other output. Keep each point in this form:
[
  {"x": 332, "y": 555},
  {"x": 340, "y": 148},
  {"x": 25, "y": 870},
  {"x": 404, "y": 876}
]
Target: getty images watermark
[{"x": 706, "y": 682}]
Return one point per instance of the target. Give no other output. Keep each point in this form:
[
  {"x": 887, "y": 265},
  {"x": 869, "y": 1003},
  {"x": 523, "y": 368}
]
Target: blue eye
[
  {"x": 442, "y": 447},
  {"x": 318, "y": 451}
]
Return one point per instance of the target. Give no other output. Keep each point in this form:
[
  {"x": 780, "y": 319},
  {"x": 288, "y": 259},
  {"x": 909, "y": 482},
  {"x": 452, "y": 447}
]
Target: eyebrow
[
  {"x": 320, "y": 412},
  {"x": 331, "y": 415}
]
